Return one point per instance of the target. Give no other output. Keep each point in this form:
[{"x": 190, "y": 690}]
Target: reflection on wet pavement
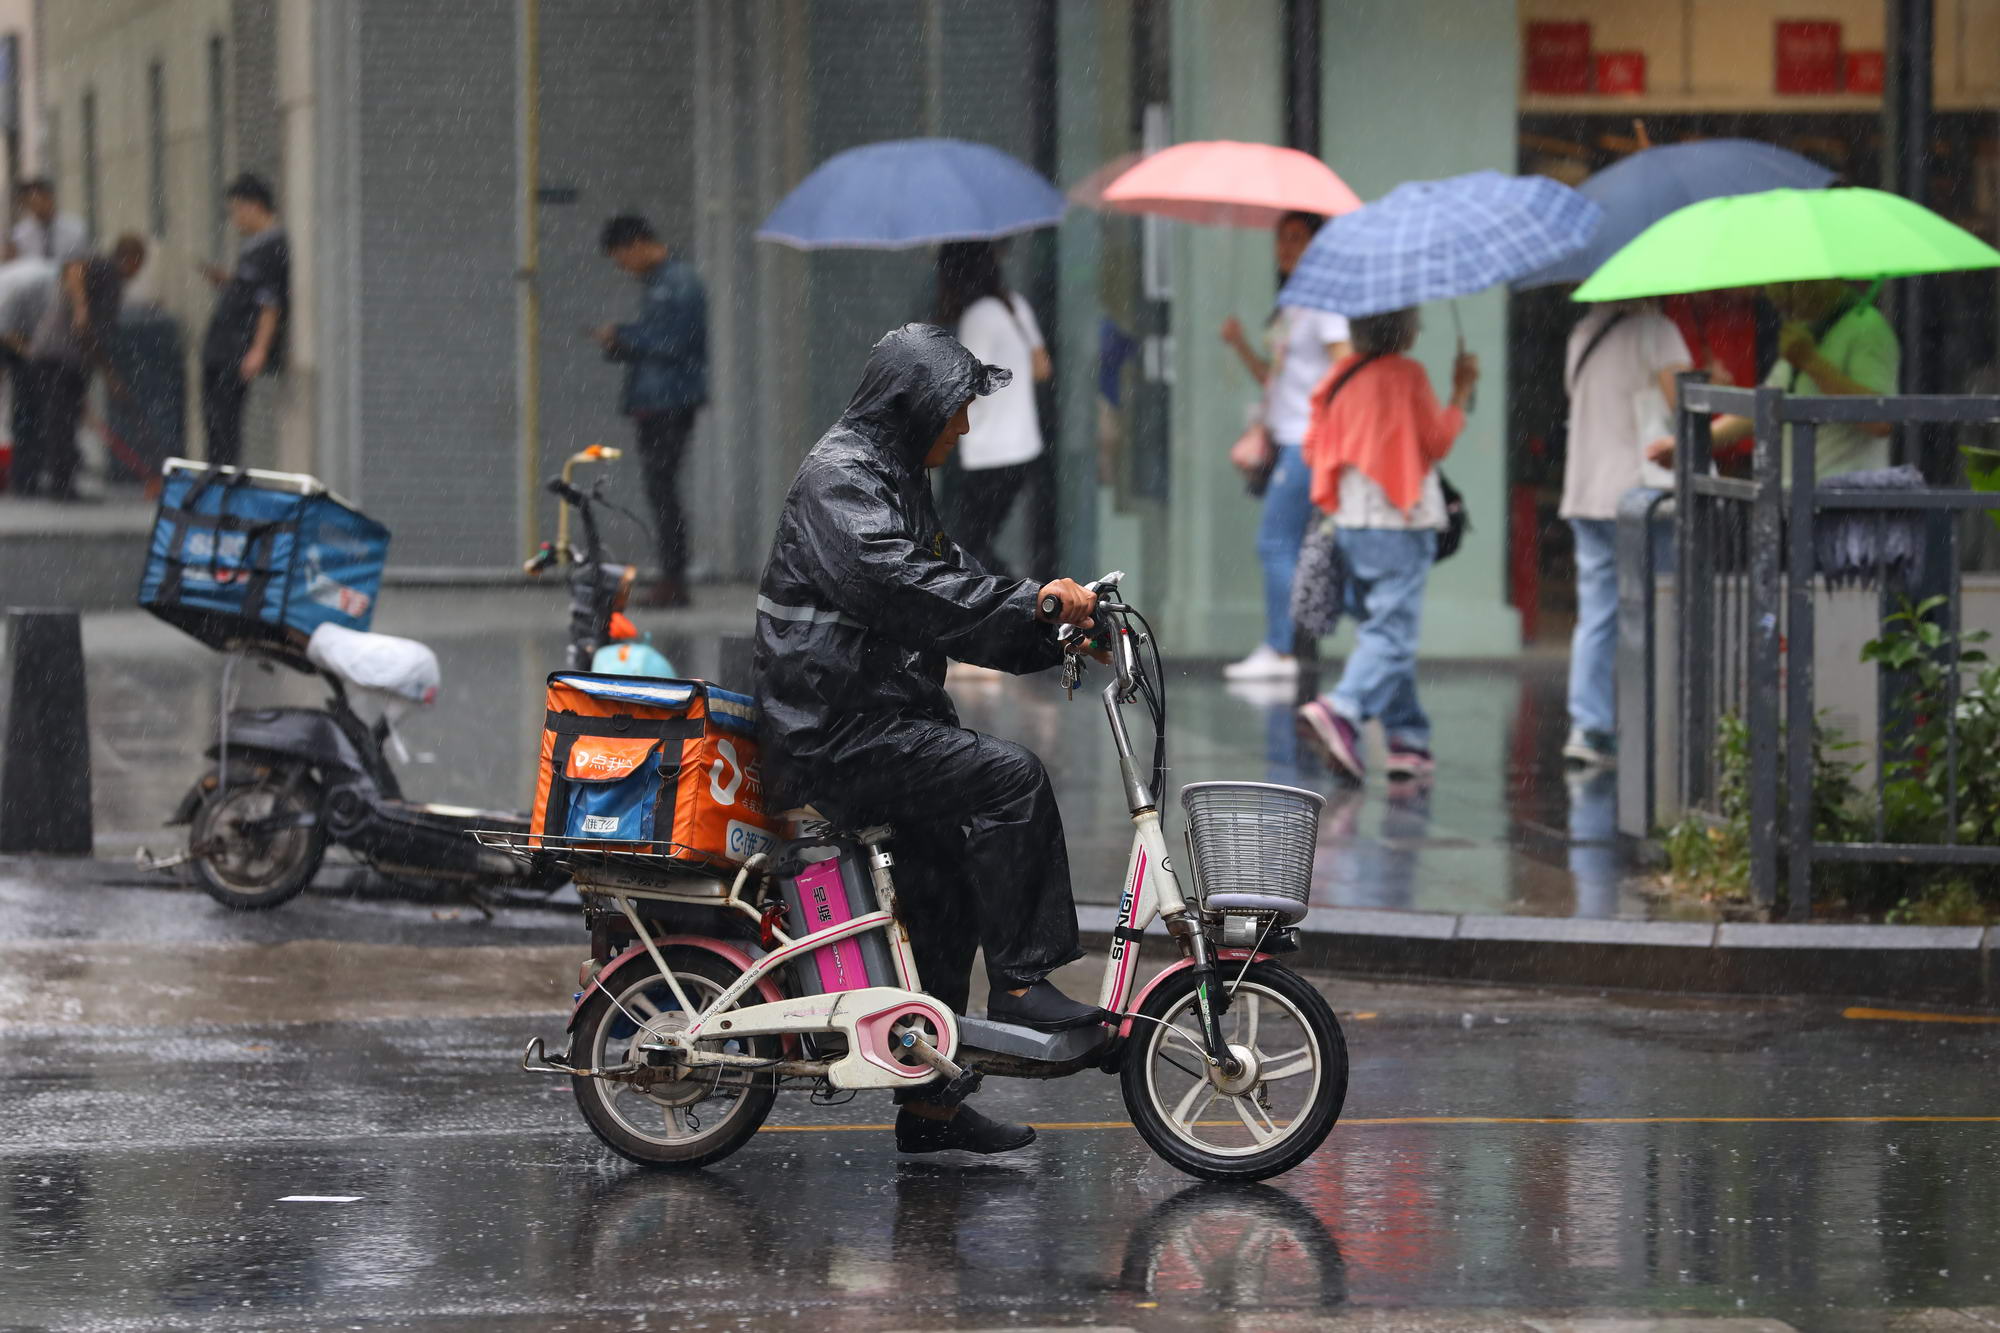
[
  {"x": 1500, "y": 831},
  {"x": 482, "y": 1203}
]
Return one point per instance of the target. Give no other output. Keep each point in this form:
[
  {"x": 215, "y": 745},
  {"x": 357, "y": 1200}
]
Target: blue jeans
[
  {"x": 1387, "y": 570},
  {"x": 1288, "y": 510},
  {"x": 1593, "y": 648}
]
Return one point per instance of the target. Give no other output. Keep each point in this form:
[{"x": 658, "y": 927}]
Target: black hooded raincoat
[{"x": 863, "y": 603}]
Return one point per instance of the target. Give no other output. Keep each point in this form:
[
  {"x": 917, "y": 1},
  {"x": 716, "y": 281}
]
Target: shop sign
[
  {"x": 1621, "y": 73},
  {"x": 1864, "y": 71},
  {"x": 1558, "y": 57},
  {"x": 1808, "y": 56}
]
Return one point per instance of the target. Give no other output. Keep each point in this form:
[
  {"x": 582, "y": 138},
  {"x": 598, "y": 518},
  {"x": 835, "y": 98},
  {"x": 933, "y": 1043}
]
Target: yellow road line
[
  {"x": 1916, "y": 1016},
  {"x": 1503, "y": 1120}
]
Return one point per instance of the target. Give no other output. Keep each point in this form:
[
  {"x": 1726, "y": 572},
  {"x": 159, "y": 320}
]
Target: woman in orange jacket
[{"x": 1376, "y": 438}]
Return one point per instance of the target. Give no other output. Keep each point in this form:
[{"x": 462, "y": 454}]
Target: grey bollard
[
  {"x": 734, "y": 668},
  {"x": 45, "y": 769}
]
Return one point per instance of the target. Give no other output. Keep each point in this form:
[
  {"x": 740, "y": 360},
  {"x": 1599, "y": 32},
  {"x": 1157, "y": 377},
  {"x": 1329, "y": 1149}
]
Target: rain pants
[{"x": 864, "y": 601}]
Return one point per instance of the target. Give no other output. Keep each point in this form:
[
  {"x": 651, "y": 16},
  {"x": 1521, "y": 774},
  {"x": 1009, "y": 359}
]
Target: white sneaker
[{"x": 1264, "y": 664}]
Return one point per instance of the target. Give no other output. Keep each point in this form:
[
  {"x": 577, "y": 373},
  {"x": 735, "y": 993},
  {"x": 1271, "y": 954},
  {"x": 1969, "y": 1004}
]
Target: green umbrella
[{"x": 1746, "y": 240}]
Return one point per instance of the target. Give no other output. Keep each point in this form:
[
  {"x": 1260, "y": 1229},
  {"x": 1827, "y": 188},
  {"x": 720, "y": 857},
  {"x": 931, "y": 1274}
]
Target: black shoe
[
  {"x": 968, "y": 1131},
  {"x": 1043, "y": 1008}
]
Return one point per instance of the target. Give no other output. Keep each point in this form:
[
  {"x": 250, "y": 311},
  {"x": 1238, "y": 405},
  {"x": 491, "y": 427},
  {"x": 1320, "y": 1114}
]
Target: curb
[
  {"x": 1947, "y": 965},
  {"x": 1940, "y": 965}
]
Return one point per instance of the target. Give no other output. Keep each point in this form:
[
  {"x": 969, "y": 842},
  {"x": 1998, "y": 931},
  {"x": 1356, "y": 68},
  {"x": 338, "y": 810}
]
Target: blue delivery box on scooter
[{"x": 242, "y": 555}]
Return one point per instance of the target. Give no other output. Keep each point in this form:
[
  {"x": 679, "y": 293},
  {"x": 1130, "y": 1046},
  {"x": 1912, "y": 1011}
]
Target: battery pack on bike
[{"x": 825, "y": 885}]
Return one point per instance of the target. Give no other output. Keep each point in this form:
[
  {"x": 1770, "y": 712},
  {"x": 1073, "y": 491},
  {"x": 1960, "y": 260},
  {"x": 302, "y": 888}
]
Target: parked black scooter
[{"x": 289, "y": 782}]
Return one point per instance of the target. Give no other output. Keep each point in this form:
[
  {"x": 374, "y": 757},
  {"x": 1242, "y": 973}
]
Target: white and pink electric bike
[{"x": 704, "y": 997}]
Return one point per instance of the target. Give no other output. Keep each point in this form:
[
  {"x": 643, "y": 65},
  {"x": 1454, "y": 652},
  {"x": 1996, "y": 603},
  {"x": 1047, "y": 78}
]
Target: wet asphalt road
[{"x": 169, "y": 1073}]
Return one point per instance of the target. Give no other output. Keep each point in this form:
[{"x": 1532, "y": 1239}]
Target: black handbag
[{"x": 1456, "y": 520}]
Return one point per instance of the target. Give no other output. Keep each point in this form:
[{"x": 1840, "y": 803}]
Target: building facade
[{"x": 444, "y": 168}]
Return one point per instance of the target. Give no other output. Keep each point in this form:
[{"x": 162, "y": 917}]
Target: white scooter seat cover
[{"x": 402, "y": 667}]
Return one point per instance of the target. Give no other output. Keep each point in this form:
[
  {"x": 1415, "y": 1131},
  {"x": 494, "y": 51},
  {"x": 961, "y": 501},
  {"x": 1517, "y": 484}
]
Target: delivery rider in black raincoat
[{"x": 863, "y": 602}]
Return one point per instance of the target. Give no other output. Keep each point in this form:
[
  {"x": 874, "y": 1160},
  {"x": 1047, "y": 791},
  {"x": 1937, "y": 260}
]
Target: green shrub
[{"x": 1916, "y": 782}]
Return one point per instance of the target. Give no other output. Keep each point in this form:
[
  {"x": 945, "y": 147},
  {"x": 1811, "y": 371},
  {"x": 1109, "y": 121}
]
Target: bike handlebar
[{"x": 1051, "y": 605}]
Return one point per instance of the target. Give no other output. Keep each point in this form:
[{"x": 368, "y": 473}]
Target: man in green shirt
[{"x": 1834, "y": 342}]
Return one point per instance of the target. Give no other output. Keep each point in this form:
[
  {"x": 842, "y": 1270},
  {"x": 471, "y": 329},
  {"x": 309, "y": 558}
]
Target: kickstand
[{"x": 477, "y": 897}]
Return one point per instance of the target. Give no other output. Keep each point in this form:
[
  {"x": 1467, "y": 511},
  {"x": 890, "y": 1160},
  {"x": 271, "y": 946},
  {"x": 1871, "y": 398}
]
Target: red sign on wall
[
  {"x": 1558, "y": 58},
  {"x": 1621, "y": 73},
  {"x": 1864, "y": 71},
  {"x": 1807, "y": 56}
]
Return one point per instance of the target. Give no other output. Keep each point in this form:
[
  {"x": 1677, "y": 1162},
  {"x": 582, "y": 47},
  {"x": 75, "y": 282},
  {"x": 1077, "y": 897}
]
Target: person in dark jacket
[
  {"x": 246, "y": 331},
  {"x": 665, "y": 351},
  {"x": 863, "y": 602}
]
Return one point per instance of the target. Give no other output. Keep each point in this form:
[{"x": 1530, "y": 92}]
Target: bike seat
[{"x": 369, "y": 661}]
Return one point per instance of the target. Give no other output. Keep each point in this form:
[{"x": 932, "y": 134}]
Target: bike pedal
[{"x": 958, "y": 1089}]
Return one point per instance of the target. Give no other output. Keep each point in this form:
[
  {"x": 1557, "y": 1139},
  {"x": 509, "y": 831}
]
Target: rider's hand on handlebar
[{"x": 1066, "y": 602}]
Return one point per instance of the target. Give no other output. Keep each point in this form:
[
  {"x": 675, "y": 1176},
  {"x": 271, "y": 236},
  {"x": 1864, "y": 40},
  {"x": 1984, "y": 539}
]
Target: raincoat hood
[{"x": 917, "y": 377}]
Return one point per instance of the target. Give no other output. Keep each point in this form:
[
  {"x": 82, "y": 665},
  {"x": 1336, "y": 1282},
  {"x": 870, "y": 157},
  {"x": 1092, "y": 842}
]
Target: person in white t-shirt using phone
[
  {"x": 1303, "y": 345},
  {"x": 1003, "y": 454}
]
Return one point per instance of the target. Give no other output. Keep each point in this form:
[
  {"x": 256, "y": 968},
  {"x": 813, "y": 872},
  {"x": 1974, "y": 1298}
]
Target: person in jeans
[
  {"x": 1374, "y": 444},
  {"x": 665, "y": 351},
  {"x": 1619, "y": 373},
  {"x": 1303, "y": 343},
  {"x": 246, "y": 331}
]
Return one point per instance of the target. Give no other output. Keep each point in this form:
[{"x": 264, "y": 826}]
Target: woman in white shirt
[
  {"x": 1304, "y": 343},
  {"x": 1003, "y": 454}
]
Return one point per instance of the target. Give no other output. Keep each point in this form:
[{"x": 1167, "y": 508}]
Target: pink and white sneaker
[{"x": 1336, "y": 738}]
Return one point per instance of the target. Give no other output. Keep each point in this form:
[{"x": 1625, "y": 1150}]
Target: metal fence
[{"x": 1747, "y": 572}]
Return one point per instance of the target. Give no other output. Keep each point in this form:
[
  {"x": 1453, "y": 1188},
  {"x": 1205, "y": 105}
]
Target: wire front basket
[{"x": 1252, "y": 844}]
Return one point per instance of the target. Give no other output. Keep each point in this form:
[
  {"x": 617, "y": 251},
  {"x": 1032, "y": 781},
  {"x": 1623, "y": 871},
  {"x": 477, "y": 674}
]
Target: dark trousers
[
  {"x": 223, "y": 394},
  {"x": 45, "y": 457},
  {"x": 982, "y": 499},
  {"x": 980, "y": 857},
  {"x": 23, "y": 390},
  {"x": 663, "y": 438}
]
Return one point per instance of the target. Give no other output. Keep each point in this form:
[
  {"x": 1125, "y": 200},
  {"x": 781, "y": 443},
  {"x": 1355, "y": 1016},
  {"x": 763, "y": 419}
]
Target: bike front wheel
[{"x": 1274, "y": 1113}]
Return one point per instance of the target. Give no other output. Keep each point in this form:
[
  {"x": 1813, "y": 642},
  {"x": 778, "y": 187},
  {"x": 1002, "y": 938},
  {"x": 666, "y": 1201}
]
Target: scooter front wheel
[
  {"x": 701, "y": 1116},
  {"x": 1268, "y": 1118},
  {"x": 257, "y": 844}
]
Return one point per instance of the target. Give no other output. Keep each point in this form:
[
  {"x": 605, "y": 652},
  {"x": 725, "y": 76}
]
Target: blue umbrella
[
  {"x": 911, "y": 192},
  {"x": 1648, "y": 185},
  {"x": 1428, "y": 240}
]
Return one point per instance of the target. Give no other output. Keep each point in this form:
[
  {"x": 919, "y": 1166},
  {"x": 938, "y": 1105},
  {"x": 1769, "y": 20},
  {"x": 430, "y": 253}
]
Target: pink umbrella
[{"x": 1230, "y": 184}]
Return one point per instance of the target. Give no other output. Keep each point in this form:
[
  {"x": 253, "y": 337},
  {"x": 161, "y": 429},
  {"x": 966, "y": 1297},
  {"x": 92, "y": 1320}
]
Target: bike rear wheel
[
  {"x": 1268, "y": 1119},
  {"x": 686, "y": 1122},
  {"x": 257, "y": 844}
]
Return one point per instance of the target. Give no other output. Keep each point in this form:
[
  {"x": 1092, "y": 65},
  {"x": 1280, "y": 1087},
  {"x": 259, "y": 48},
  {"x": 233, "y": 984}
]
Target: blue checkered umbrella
[{"x": 1429, "y": 240}]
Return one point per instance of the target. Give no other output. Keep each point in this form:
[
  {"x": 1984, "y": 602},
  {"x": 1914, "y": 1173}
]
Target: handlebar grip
[{"x": 1051, "y": 606}]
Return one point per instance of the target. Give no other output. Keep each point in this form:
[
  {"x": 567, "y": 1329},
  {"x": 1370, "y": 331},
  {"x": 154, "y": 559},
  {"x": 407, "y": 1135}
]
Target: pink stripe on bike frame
[{"x": 840, "y": 966}]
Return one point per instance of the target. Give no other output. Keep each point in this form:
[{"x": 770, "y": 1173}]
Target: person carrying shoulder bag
[{"x": 1373, "y": 448}]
